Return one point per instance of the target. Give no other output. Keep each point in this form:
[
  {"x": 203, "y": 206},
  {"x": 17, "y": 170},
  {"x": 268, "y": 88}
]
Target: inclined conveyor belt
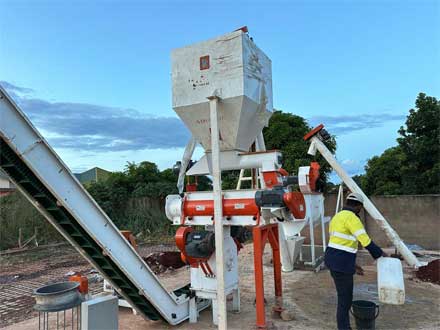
[{"x": 50, "y": 186}]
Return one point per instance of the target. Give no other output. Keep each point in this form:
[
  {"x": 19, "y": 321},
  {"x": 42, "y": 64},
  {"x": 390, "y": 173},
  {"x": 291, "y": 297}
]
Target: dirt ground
[
  {"x": 23, "y": 272},
  {"x": 311, "y": 297}
]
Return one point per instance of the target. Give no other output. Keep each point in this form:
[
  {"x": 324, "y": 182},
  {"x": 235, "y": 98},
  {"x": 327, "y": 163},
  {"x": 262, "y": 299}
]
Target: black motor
[{"x": 200, "y": 244}]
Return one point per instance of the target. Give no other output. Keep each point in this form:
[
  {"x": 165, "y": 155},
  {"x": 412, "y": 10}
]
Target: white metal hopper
[{"x": 233, "y": 68}]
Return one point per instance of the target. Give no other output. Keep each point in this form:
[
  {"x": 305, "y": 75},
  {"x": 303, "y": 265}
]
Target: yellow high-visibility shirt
[{"x": 345, "y": 230}]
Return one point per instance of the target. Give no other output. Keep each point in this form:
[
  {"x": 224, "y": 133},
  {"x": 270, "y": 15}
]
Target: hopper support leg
[
  {"x": 261, "y": 235},
  {"x": 219, "y": 304}
]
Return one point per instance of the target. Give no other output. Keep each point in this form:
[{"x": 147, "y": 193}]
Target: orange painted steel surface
[
  {"x": 130, "y": 238},
  {"x": 296, "y": 204},
  {"x": 261, "y": 235},
  {"x": 273, "y": 178},
  {"x": 313, "y": 175},
  {"x": 313, "y": 132},
  {"x": 180, "y": 239},
  {"x": 231, "y": 207},
  {"x": 83, "y": 282},
  {"x": 191, "y": 187}
]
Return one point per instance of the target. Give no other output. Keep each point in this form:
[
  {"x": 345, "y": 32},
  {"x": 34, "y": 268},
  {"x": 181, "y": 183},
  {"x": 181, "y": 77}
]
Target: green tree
[
  {"x": 285, "y": 133},
  {"x": 420, "y": 142},
  {"x": 383, "y": 173},
  {"x": 133, "y": 198},
  {"x": 16, "y": 213},
  {"x": 413, "y": 166}
]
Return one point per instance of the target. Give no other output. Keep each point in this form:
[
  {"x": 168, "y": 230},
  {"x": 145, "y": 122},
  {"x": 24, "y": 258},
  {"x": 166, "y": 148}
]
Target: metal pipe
[
  {"x": 312, "y": 241},
  {"x": 324, "y": 243},
  {"x": 218, "y": 214},
  {"x": 261, "y": 146},
  {"x": 187, "y": 154},
  {"x": 340, "y": 198},
  {"x": 410, "y": 258}
]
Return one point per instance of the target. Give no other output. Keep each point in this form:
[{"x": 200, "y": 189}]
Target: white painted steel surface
[
  {"x": 206, "y": 286},
  {"x": 218, "y": 215},
  {"x": 239, "y": 73},
  {"x": 187, "y": 154},
  {"x": 201, "y": 282},
  {"x": 290, "y": 242},
  {"x": 32, "y": 148},
  {"x": 233, "y": 160},
  {"x": 410, "y": 258},
  {"x": 304, "y": 179}
]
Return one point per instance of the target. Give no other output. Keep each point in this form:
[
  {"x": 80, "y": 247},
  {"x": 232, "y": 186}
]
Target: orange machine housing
[
  {"x": 231, "y": 207},
  {"x": 83, "y": 282}
]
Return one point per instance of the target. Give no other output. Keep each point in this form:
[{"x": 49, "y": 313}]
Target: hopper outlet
[{"x": 233, "y": 68}]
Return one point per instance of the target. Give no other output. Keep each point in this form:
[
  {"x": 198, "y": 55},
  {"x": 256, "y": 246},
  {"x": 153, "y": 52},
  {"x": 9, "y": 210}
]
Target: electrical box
[{"x": 101, "y": 312}]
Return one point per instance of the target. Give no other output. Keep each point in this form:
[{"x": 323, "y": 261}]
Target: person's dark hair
[{"x": 350, "y": 202}]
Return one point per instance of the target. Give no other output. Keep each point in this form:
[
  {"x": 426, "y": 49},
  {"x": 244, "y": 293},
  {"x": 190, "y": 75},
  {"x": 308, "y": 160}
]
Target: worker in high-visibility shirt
[{"x": 346, "y": 230}]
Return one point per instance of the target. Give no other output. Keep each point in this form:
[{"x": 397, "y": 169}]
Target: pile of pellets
[{"x": 430, "y": 272}]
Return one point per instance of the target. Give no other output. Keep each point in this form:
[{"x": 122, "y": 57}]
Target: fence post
[{"x": 19, "y": 237}]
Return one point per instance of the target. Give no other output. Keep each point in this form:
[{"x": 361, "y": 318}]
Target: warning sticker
[
  {"x": 200, "y": 207},
  {"x": 204, "y": 62},
  {"x": 239, "y": 206}
]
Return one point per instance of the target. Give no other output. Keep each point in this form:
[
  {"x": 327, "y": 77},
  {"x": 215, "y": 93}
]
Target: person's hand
[{"x": 359, "y": 270}]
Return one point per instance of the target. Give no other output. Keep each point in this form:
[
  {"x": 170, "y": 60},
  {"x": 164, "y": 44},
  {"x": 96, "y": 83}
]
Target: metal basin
[{"x": 57, "y": 297}]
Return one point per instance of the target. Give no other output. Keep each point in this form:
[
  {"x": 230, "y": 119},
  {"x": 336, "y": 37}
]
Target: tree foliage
[
  {"x": 16, "y": 213},
  {"x": 137, "y": 180},
  {"x": 413, "y": 166},
  {"x": 285, "y": 133},
  {"x": 382, "y": 175}
]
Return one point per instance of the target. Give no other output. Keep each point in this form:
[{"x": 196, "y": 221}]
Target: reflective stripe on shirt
[
  {"x": 359, "y": 232},
  {"x": 345, "y": 236},
  {"x": 342, "y": 247}
]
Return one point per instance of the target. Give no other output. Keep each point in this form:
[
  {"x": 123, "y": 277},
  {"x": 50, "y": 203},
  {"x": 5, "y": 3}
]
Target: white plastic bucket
[{"x": 390, "y": 282}]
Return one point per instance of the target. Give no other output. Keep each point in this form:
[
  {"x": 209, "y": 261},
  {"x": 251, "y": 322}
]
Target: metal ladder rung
[
  {"x": 64, "y": 222},
  {"x": 40, "y": 195},
  {"x": 8, "y": 165}
]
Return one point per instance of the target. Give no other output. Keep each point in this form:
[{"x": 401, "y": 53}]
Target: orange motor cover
[{"x": 296, "y": 204}]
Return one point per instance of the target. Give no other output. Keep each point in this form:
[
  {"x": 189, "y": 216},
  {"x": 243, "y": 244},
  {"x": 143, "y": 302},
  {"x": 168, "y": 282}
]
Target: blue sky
[{"x": 94, "y": 76}]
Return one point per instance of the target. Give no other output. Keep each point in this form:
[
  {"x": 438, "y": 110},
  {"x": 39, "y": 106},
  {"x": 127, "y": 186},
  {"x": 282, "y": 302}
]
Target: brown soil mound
[
  {"x": 160, "y": 262},
  {"x": 430, "y": 272}
]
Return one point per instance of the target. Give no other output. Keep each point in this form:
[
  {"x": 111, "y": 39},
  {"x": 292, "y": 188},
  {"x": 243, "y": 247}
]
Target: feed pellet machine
[{"x": 222, "y": 91}]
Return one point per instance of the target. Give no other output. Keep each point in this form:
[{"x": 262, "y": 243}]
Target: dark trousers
[{"x": 344, "y": 288}]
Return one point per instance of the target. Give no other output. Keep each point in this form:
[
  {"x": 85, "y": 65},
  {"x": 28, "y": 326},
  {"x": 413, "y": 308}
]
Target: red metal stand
[{"x": 260, "y": 236}]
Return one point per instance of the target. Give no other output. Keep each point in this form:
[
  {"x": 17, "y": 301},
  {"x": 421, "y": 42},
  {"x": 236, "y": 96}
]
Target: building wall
[
  {"x": 5, "y": 183},
  {"x": 93, "y": 175},
  {"x": 416, "y": 218}
]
